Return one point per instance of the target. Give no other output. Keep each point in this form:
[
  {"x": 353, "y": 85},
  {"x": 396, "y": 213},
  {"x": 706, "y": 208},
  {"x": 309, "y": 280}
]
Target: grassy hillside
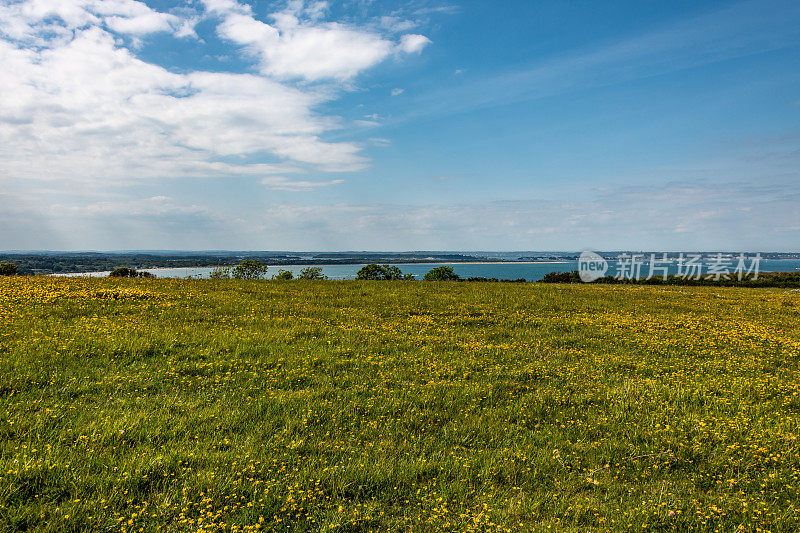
[{"x": 397, "y": 406}]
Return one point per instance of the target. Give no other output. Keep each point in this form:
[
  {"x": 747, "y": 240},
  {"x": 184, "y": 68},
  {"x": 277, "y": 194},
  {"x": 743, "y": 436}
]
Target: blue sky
[{"x": 224, "y": 124}]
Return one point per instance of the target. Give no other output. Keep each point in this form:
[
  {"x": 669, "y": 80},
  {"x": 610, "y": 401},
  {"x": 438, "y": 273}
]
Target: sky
[{"x": 399, "y": 125}]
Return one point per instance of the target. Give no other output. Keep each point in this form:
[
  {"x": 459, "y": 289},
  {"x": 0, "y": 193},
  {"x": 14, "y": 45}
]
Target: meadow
[{"x": 198, "y": 405}]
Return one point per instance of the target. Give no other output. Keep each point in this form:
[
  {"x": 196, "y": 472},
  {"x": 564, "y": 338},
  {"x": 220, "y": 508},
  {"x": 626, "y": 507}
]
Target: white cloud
[
  {"x": 41, "y": 20},
  {"x": 413, "y": 43},
  {"x": 78, "y": 105},
  {"x": 301, "y": 48},
  {"x": 139, "y": 25},
  {"x": 226, "y": 6},
  {"x": 397, "y": 91},
  {"x": 315, "y": 53},
  {"x": 130, "y": 17},
  {"x": 299, "y": 45}
]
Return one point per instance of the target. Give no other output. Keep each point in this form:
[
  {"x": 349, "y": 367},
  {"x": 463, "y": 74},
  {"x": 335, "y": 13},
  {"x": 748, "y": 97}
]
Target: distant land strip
[{"x": 50, "y": 262}]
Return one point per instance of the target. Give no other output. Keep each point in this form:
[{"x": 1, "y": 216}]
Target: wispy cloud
[
  {"x": 673, "y": 215},
  {"x": 280, "y": 183},
  {"x": 742, "y": 29}
]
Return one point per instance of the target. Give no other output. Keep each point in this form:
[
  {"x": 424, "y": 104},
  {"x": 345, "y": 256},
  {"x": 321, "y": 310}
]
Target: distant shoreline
[
  {"x": 158, "y": 269},
  {"x": 99, "y": 273}
]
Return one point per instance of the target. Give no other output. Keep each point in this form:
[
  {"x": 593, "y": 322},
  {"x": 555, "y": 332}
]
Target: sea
[{"x": 530, "y": 271}]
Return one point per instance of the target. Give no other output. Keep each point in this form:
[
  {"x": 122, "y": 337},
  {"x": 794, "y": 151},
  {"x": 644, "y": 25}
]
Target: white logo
[{"x": 591, "y": 266}]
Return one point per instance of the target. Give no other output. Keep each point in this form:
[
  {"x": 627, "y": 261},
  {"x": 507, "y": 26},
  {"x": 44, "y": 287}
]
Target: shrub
[
  {"x": 123, "y": 272},
  {"x": 8, "y": 269},
  {"x": 249, "y": 269},
  {"x": 283, "y": 275},
  {"x": 441, "y": 273},
  {"x": 561, "y": 277},
  {"x": 371, "y": 272},
  {"x": 311, "y": 273},
  {"x": 146, "y": 274},
  {"x": 393, "y": 272},
  {"x": 381, "y": 272}
]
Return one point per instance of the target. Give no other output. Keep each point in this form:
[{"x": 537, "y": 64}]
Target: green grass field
[{"x": 166, "y": 405}]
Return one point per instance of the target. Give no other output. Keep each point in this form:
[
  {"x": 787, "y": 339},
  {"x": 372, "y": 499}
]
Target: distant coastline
[
  {"x": 531, "y": 270},
  {"x": 99, "y": 263},
  {"x": 96, "y": 273}
]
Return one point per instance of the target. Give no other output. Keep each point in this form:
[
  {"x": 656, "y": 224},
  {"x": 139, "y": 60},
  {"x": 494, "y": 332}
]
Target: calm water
[{"x": 529, "y": 271}]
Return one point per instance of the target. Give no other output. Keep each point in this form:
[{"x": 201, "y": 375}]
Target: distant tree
[
  {"x": 392, "y": 272},
  {"x": 311, "y": 273},
  {"x": 371, "y": 272},
  {"x": 249, "y": 269},
  {"x": 8, "y": 269},
  {"x": 441, "y": 273},
  {"x": 283, "y": 275},
  {"x": 380, "y": 272},
  {"x": 143, "y": 274},
  {"x": 123, "y": 272},
  {"x": 561, "y": 277},
  {"x": 220, "y": 273}
]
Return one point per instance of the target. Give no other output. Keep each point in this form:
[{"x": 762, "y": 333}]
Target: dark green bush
[
  {"x": 561, "y": 277},
  {"x": 8, "y": 269},
  {"x": 283, "y": 275},
  {"x": 123, "y": 272},
  {"x": 441, "y": 273},
  {"x": 381, "y": 272}
]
